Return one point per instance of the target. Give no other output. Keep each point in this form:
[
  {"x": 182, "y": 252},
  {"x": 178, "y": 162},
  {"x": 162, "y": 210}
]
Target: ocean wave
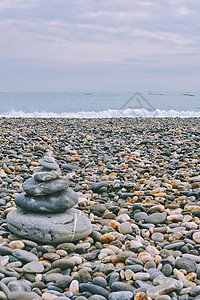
[{"x": 110, "y": 113}]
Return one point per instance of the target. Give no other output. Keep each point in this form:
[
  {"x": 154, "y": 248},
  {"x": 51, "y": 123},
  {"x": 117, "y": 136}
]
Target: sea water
[{"x": 100, "y": 105}]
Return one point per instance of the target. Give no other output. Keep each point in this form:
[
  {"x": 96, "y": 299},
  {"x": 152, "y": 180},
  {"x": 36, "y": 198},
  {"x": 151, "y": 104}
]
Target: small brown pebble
[
  {"x": 7, "y": 170},
  {"x": 108, "y": 237},
  {"x": 191, "y": 276},
  {"x": 16, "y": 245},
  {"x": 141, "y": 296}
]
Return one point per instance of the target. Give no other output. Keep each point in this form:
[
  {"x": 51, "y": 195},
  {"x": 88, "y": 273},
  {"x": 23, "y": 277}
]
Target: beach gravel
[{"x": 138, "y": 186}]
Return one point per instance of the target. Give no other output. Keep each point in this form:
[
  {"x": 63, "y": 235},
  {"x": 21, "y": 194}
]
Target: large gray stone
[
  {"x": 48, "y": 163},
  {"x": 122, "y": 295},
  {"x": 160, "y": 280},
  {"x": 68, "y": 226},
  {"x": 23, "y": 296},
  {"x": 24, "y": 255},
  {"x": 33, "y": 267},
  {"x": 187, "y": 264},
  {"x": 160, "y": 290},
  {"x": 46, "y": 176},
  {"x": 56, "y": 202},
  {"x": 156, "y": 218},
  {"x": 41, "y": 169},
  {"x": 35, "y": 188}
]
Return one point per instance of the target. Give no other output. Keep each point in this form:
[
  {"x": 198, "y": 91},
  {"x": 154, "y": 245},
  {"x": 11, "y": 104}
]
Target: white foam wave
[{"x": 110, "y": 113}]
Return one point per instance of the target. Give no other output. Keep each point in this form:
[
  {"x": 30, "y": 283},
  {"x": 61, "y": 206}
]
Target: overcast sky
[{"x": 99, "y": 45}]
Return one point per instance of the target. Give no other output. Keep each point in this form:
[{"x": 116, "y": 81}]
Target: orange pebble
[
  {"x": 191, "y": 276},
  {"x": 114, "y": 224},
  {"x": 139, "y": 193},
  {"x": 141, "y": 296}
]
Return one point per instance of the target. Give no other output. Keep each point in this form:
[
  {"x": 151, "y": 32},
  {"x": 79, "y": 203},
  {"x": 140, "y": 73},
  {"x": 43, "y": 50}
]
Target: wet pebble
[
  {"x": 100, "y": 281},
  {"x": 63, "y": 263},
  {"x": 167, "y": 270},
  {"x": 121, "y": 286},
  {"x": 94, "y": 289}
]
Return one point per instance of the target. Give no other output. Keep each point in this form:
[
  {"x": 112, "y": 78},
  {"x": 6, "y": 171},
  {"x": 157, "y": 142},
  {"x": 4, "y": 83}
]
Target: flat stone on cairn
[
  {"x": 46, "y": 212},
  {"x": 48, "y": 162}
]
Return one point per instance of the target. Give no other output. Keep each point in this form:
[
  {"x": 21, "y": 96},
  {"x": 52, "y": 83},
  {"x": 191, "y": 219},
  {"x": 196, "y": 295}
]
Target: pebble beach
[{"x": 138, "y": 182}]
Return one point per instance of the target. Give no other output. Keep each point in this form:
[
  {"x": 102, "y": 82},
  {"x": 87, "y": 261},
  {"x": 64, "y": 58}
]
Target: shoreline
[
  {"x": 140, "y": 187},
  {"x": 102, "y": 118}
]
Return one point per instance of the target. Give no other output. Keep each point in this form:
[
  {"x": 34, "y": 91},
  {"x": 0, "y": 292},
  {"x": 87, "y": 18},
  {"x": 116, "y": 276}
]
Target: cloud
[
  {"x": 64, "y": 41},
  {"x": 143, "y": 34},
  {"x": 120, "y": 15},
  {"x": 13, "y": 4}
]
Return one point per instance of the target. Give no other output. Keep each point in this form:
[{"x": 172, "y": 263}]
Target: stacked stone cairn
[{"x": 46, "y": 212}]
